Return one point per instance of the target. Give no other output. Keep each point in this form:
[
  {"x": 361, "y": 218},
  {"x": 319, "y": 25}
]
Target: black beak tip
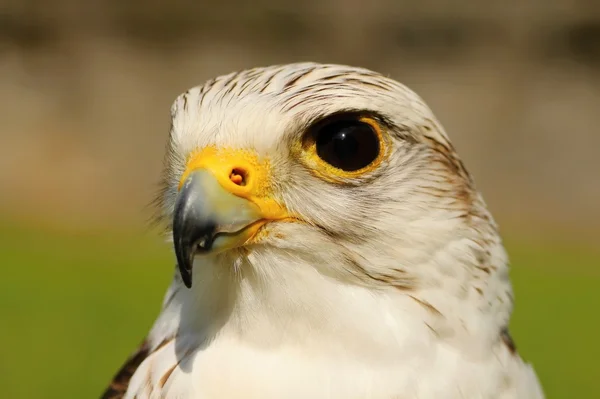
[
  {"x": 186, "y": 275},
  {"x": 186, "y": 248},
  {"x": 193, "y": 228},
  {"x": 185, "y": 259}
]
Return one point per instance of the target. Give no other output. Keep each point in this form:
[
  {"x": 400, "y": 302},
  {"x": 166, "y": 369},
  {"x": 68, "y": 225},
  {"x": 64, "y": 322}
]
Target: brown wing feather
[{"x": 120, "y": 382}]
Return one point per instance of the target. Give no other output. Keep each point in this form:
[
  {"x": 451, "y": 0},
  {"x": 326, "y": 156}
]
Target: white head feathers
[{"x": 396, "y": 267}]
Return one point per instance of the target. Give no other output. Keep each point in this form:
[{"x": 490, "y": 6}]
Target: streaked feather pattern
[{"x": 395, "y": 284}]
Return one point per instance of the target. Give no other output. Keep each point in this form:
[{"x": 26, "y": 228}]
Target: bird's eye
[{"x": 349, "y": 145}]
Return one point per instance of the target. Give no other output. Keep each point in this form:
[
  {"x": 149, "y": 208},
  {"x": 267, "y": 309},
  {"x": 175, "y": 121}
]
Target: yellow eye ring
[{"x": 343, "y": 148}]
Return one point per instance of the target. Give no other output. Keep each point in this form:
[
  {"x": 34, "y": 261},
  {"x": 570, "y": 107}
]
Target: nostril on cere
[{"x": 238, "y": 177}]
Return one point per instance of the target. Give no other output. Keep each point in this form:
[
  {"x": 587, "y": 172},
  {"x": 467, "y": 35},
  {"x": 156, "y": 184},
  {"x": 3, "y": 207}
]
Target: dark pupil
[{"x": 348, "y": 146}]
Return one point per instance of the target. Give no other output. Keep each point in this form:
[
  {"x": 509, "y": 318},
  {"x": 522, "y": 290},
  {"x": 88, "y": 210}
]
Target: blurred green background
[{"x": 85, "y": 91}]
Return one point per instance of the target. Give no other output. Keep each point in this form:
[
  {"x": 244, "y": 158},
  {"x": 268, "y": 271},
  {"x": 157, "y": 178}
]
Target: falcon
[{"x": 330, "y": 244}]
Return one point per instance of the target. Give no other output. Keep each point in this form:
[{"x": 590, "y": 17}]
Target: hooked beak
[{"x": 219, "y": 207}]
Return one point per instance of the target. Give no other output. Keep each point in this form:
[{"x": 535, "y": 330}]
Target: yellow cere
[
  {"x": 333, "y": 174},
  {"x": 240, "y": 172}
]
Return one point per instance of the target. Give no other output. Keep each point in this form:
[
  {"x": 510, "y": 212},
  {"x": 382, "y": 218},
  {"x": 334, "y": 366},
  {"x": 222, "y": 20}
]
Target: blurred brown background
[
  {"x": 86, "y": 86},
  {"x": 85, "y": 92}
]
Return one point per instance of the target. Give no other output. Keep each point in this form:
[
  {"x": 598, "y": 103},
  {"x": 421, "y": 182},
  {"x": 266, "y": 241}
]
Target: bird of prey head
[{"x": 321, "y": 210}]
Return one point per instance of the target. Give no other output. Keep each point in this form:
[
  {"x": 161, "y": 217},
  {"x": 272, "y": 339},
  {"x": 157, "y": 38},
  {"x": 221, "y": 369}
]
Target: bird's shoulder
[
  {"x": 160, "y": 334},
  {"x": 120, "y": 382}
]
